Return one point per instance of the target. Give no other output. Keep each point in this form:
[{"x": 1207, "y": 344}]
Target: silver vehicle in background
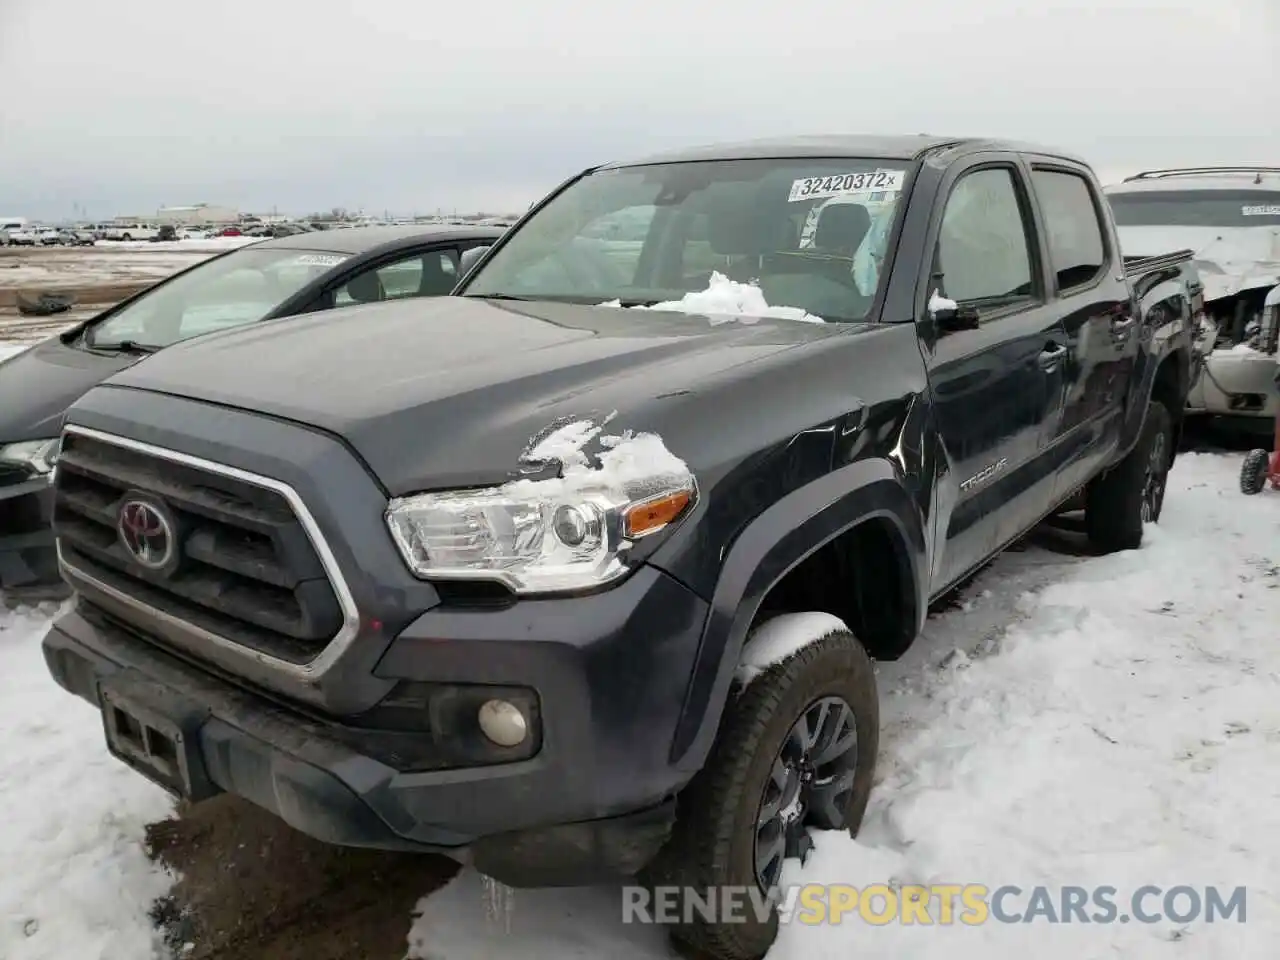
[{"x": 1230, "y": 217}]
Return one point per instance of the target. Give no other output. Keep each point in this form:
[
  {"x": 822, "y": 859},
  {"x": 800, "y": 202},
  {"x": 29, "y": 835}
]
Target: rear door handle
[{"x": 1050, "y": 357}]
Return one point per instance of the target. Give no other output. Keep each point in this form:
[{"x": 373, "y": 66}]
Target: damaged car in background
[{"x": 1230, "y": 217}]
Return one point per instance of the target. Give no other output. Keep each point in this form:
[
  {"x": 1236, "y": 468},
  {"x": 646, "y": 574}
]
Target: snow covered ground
[
  {"x": 82, "y": 267},
  {"x": 207, "y": 245},
  {"x": 11, "y": 349},
  {"x": 77, "y": 883},
  {"x": 1079, "y": 721}
]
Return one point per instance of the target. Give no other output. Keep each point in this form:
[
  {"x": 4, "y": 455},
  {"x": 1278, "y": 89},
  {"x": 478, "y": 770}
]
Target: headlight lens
[
  {"x": 542, "y": 536},
  {"x": 38, "y": 455}
]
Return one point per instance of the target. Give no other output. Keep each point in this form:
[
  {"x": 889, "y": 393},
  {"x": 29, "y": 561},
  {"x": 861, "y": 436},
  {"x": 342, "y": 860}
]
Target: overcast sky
[{"x": 413, "y": 105}]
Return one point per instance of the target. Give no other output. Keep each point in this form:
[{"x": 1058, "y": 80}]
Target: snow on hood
[
  {"x": 1230, "y": 259},
  {"x": 725, "y": 300},
  {"x": 564, "y": 442},
  {"x": 635, "y": 462}
]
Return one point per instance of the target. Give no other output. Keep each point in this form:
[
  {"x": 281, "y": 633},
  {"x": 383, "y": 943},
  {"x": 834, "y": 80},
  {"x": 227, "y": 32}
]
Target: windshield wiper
[
  {"x": 498, "y": 296},
  {"x": 121, "y": 346}
]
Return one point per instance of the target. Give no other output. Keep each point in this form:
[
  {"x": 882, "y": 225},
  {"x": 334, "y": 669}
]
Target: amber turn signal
[{"x": 650, "y": 516}]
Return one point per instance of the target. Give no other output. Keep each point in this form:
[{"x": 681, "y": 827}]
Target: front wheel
[
  {"x": 1253, "y": 472},
  {"x": 1131, "y": 494},
  {"x": 796, "y": 751}
]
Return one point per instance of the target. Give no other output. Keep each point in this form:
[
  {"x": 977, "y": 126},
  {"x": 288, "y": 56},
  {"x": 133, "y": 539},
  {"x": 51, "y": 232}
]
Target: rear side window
[{"x": 1077, "y": 251}]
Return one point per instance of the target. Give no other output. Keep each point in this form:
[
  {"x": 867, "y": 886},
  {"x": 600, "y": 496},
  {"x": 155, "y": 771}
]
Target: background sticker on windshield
[
  {"x": 1262, "y": 210},
  {"x": 319, "y": 259},
  {"x": 844, "y": 184}
]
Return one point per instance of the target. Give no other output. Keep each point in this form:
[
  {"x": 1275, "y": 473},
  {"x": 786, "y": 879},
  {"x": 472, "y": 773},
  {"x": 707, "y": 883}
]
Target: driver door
[{"x": 997, "y": 388}]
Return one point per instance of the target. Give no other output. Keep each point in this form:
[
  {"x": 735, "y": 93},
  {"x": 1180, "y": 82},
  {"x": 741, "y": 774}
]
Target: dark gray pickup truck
[{"x": 580, "y": 571}]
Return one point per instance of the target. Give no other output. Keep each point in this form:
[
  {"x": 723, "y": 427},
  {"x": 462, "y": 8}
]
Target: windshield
[
  {"x": 1197, "y": 208},
  {"x": 239, "y": 288},
  {"x": 811, "y": 232}
]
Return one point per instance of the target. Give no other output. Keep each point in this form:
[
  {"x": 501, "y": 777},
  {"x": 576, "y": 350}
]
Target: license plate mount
[{"x": 156, "y": 732}]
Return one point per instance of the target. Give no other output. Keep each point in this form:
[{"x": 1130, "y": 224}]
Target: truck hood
[
  {"x": 1230, "y": 259},
  {"x": 449, "y": 392},
  {"x": 38, "y": 384}
]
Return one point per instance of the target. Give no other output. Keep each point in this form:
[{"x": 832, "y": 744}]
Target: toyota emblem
[{"x": 147, "y": 534}]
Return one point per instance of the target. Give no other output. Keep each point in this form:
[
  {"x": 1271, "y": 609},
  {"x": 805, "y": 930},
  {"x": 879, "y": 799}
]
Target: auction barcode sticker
[
  {"x": 843, "y": 184},
  {"x": 1262, "y": 210},
  {"x": 320, "y": 259}
]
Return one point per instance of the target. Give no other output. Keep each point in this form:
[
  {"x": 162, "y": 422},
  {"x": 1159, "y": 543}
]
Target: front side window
[
  {"x": 1077, "y": 250},
  {"x": 239, "y": 288},
  {"x": 810, "y": 232},
  {"x": 983, "y": 254}
]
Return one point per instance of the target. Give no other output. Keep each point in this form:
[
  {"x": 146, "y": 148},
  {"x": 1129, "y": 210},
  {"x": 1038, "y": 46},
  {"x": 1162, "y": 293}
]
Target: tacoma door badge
[{"x": 984, "y": 475}]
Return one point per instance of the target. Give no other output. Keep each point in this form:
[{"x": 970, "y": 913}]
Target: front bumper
[
  {"x": 28, "y": 559},
  {"x": 1239, "y": 383},
  {"x": 594, "y": 803}
]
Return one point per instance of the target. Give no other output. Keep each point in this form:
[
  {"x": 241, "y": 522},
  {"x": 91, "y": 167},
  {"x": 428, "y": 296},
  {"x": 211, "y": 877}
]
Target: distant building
[{"x": 197, "y": 213}]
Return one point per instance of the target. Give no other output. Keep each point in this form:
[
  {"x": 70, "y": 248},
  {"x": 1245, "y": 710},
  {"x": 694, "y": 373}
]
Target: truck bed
[{"x": 1137, "y": 266}]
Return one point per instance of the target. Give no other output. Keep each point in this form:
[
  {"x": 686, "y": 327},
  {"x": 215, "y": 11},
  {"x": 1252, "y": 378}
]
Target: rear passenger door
[
  {"x": 1086, "y": 277},
  {"x": 996, "y": 389}
]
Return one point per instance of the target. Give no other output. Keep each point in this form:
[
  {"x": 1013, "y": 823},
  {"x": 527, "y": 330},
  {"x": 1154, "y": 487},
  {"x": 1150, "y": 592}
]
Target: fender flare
[
  {"x": 770, "y": 547},
  {"x": 1137, "y": 414}
]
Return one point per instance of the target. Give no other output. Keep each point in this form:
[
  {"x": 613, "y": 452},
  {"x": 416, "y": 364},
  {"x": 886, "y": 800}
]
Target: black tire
[
  {"x": 1253, "y": 472},
  {"x": 714, "y": 842},
  {"x": 127, "y": 237},
  {"x": 1131, "y": 494}
]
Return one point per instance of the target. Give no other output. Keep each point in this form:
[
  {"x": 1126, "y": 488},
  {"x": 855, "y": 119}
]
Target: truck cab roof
[{"x": 869, "y": 146}]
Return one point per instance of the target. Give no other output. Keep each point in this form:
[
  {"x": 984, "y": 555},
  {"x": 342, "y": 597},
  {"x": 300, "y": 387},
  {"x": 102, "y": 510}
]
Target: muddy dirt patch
[{"x": 253, "y": 888}]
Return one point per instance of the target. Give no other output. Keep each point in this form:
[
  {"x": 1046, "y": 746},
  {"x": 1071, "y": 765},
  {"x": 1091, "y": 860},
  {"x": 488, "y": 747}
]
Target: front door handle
[
  {"x": 1121, "y": 327},
  {"x": 1050, "y": 357}
]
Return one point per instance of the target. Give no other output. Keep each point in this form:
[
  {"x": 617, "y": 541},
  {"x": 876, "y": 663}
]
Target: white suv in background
[
  {"x": 1230, "y": 217},
  {"x": 130, "y": 231}
]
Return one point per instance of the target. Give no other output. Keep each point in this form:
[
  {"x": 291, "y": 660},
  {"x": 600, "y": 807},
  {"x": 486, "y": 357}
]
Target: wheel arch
[{"x": 868, "y": 495}]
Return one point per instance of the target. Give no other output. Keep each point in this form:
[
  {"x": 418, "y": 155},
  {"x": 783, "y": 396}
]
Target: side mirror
[
  {"x": 949, "y": 317},
  {"x": 469, "y": 259}
]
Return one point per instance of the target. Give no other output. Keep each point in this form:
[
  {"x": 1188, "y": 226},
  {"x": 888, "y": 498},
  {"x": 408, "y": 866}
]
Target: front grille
[{"x": 245, "y": 568}]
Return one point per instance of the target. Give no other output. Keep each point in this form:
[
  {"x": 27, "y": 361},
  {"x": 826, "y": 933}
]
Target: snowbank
[
  {"x": 729, "y": 300},
  {"x": 76, "y": 881},
  {"x": 1124, "y": 733}
]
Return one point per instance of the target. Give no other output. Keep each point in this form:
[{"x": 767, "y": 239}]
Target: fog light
[{"x": 503, "y": 723}]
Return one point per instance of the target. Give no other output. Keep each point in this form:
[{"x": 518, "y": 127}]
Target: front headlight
[
  {"x": 37, "y": 455},
  {"x": 542, "y": 536}
]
